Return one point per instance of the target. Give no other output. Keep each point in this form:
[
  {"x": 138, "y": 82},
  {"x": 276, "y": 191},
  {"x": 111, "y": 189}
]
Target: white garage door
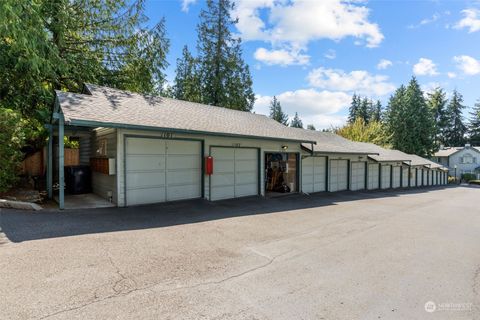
[
  {"x": 413, "y": 177},
  {"x": 338, "y": 175},
  {"x": 425, "y": 177},
  {"x": 373, "y": 176},
  {"x": 386, "y": 175},
  {"x": 419, "y": 177},
  {"x": 235, "y": 173},
  {"x": 405, "y": 177},
  {"x": 161, "y": 170},
  {"x": 358, "y": 176},
  {"x": 314, "y": 174},
  {"x": 435, "y": 175},
  {"x": 396, "y": 175},
  {"x": 432, "y": 173}
]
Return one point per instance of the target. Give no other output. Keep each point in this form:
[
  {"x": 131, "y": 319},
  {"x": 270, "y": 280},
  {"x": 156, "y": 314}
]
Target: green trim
[
  {"x": 50, "y": 163},
  {"x": 126, "y": 136},
  {"x": 61, "y": 162},
  {"x": 88, "y": 123}
]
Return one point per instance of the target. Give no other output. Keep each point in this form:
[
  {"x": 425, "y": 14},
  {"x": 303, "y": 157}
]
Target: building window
[{"x": 468, "y": 159}]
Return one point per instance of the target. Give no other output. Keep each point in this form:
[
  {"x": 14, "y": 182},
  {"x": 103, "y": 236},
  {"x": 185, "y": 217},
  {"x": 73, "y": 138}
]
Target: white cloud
[
  {"x": 325, "y": 121},
  {"x": 471, "y": 20},
  {"x": 467, "y": 64},
  {"x": 186, "y": 4},
  {"x": 358, "y": 81},
  {"x": 293, "y": 24},
  {"x": 281, "y": 57},
  {"x": 451, "y": 75},
  {"x": 313, "y": 106},
  {"x": 425, "y": 67},
  {"x": 330, "y": 54},
  {"x": 307, "y": 102},
  {"x": 384, "y": 64},
  {"x": 426, "y": 21}
]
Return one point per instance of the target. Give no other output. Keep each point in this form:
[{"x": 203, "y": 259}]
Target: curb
[{"x": 9, "y": 204}]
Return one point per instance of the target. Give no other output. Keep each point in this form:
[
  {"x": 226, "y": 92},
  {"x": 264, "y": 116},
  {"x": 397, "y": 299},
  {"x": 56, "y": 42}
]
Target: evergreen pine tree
[
  {"x": 376, "y": 111},
  {"x": 393, "y": 117},
  {"x": 364, "y": 110},
  {"x": 354, "y": 108},
  {"x": 276, "y": 112},
  {"x": 409, "y": 121},
  {"x": 311, "y": 127},
  {"x": 420, "y": 129},
  {"x": 474, "y": 125},
  {"x": 437, "y": 102},
  {"x": 456, "y": 129},
  {"x": 224, "y": 75},
  {"x": 296, "y": 122},
  {"x": 187, "y": 80}
]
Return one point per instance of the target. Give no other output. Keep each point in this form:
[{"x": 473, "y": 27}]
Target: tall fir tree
[
  {"x": 396, "y": 109},
  {"x": 225, "y": 78},
  {"x": 276, "y": 112},
  {"x": 474, "y": 125},
  {"x": 409, "y": 121},
  {"x": 354, "y": 108},
  {"x": 456, "y": 129},
  {"x": 376, "y": 111},
  {"x": 436, "y": 102},
  {"x": 365, "y": 109},
  {"x": 61, "y": 44},
  {"x": 296, "y": 122},
  {"x": 187, "y": 78}
]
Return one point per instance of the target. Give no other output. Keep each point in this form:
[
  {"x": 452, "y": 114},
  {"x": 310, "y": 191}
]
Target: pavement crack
[{"x": 149, "y": 287}]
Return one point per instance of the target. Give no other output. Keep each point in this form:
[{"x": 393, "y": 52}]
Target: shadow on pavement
[{"x": 20, "y": 226}]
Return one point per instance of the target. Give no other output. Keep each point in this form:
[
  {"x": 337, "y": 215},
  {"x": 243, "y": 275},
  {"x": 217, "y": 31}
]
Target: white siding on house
[{"x": 457, "y": 159}]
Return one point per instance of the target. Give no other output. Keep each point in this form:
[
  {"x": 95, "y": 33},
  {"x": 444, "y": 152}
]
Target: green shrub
[
  {"x": 474, "y": 182},
  {"x": 468, "y": 176},
  {"x": 12, "y": 138}
]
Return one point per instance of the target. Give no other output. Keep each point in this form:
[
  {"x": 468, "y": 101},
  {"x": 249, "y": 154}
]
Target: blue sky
[{"x": 314, "y": 54}]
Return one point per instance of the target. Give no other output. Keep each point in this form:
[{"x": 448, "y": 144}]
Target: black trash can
[{"x": 78, "y": 179}]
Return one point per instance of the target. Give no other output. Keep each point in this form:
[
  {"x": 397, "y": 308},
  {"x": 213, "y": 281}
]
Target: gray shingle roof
[
  {"x": 110, "y": 107},
  {"x": 385, "y": 155},
  {"x": 328, "y": 142},
  {"x": 447, "y": 152}
]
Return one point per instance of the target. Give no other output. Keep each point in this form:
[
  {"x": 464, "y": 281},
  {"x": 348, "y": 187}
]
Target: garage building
[{"x": 144, "y": 149}]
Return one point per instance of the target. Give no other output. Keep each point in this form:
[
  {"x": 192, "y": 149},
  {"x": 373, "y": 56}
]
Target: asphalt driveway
[{"x": 380, "y": 255}]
